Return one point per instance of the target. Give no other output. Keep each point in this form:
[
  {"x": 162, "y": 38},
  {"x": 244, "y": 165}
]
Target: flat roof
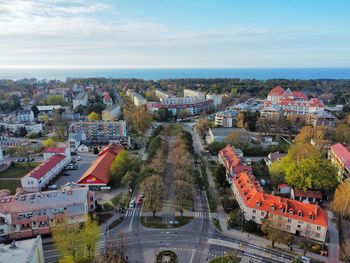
[
  {"x": 226, "y": 131},
  {"x": 23, "y": 251}
]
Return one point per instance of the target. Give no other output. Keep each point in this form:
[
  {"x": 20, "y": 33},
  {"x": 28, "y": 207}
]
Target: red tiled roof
[
  {"x": 54, "y": 150},
  {"x": 230, "y": 157},
  {"x": 314, "y": 102},
  {"x": 342, "y": 153},
  {"x": 299, "y": 95},
  {"x": 46, "y": 166},
  {"x": 251, "y": 195},
  {"x": 277, "y": 91},
  {"x": 98, "y": 172}
]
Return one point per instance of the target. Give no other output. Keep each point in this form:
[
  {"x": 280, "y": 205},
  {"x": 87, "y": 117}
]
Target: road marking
[{"x": 132, "y": 218}]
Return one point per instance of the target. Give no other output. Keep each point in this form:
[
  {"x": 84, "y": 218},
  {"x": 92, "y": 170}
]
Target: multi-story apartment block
[
  {"x": 25, "y": 116},
  {"x": 26, "y": 215},
  {"x": 100, "y": 132},
  {"x": 80, "y": 99},
  {"x": 161, "y": 94},
  {"x": 136, "y": 98},
  {"x": 111, "y": 113},
  {"x": 217, "y": 99},
  {"x": 193, "y": 106},
  {"x": 340, "y": 157},
  {"x": 299, "y": 218},
  {"x": 194, "y": 93},
  {"x": 225, "y": 119}
]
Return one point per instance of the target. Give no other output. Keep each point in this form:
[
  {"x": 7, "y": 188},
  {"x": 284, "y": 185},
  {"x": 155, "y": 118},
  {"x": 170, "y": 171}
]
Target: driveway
[{"x": 74, "y": 175}]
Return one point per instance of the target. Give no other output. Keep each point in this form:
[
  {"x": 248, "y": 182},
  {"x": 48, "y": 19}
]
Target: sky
[{"x": 174, "y": 33}]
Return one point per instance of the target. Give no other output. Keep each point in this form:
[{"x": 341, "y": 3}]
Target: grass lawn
[
  {"x": 18, "y": 170},
  {"x": 216, "y": 223},
  {"x": 226, "y": 259},
  {"x": 115, "y": 223},
  {"x": 10, "y": 184}
]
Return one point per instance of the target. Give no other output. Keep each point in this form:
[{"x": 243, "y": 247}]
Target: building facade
[
  {"x": 225, "y": 119},
  {"x": 25, "y": 116},
  {"x": 111, "y": 113},
  {"x": 194, "y": 93},
  {"x": 217, "y": 99},
  {"x": 100, "y": 132},
  {"x": 80, "y": 99},
  {"x": 193, "y": 106},
  {"x": 295, "y": 217},
  {"x": 339, "y": 155},
  {"x": 26, "y": 215}
]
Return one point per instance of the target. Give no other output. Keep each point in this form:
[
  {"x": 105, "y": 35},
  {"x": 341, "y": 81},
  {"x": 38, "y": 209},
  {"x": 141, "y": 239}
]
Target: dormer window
[
  {"x": 291, "y": 212},
  {"x": 258, "y": 204},
  {"x": 300, "y": 214},
  {"x": 311, "y": 217},
  {"x": 272, "y": 207}
]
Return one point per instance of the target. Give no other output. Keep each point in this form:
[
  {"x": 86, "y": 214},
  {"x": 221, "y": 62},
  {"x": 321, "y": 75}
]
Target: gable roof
[
  {"x": 277, "y": 91},
  {"x": 46, "y": 166},
  {"x": 98, "y": 172},
  {"x": 255, "y": 198},
  {"x": 342, "y": 153},
  {"x": 55, "y": 150}
]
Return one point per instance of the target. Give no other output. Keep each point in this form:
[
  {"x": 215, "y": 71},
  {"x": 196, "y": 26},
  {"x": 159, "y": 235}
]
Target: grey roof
[
  {"x": 80, "y": 96},
  {"x": 76, "y": 136},
  {"x": 226, "y": 131}
]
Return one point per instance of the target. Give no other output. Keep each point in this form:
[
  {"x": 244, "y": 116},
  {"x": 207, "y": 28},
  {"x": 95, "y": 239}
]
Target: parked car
[
  {"x": 142, "y": 194},
  {"x": 78, "y": 158},
  {"x": 52, "y": 187},
  {"x": 65, "y": 174},
  {"x": 132, "y": 204}
]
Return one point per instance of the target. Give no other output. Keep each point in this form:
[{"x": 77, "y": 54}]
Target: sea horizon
[{"x": 175, "y": 73}]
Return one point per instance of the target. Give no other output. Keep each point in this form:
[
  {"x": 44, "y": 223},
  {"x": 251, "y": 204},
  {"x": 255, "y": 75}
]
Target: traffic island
[
  {"x": 228, "y": 258},
  {"x": 166, "y": 256}
]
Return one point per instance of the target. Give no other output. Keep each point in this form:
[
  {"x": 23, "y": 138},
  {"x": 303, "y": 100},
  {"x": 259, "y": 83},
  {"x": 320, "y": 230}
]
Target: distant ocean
[{"x": 156, "y": 74}]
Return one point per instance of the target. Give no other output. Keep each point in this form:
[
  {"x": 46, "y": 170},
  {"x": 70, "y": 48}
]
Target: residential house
[
  {"x": 80, "y": 99},
  {"x": 339, "y": 155},
  {"x": 75, "y": 140}
]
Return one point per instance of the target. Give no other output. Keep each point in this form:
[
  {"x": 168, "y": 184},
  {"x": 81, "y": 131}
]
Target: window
[
  {"x": 253, "y": 217},
  {"x": 254, "y": 211},
  {"x": 289, "y": 220},
  {"x": 288, "y": 227},
  {"x": 262, "y": 213},
  {"x": 318, "y": 228},
  {"x": 317, "y": 235}
]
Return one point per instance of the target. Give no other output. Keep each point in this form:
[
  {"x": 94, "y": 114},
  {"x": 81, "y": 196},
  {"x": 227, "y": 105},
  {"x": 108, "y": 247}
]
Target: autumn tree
[
  {"x": 153, "y": 188},
  {"x": 237, "y": 138},
  {"x": 93, "y": 116},
  {"x": 240, "y": 120},
  {"x": 202, "y": 126},
  {"x": 59, "y": 125},
  {"x": 158, "y": 162},
  {"x": 342, "y": 133},
  {"x": 271, "y": 227},
  {"x": 76, "y": 243},
  {"x": 49, "y": 142},
  {"x": 183, "y": 193},
  {"x": 183, "y": 114},
  {"x": 341, "y": 202},
  {"x": 138, "y": 118}
]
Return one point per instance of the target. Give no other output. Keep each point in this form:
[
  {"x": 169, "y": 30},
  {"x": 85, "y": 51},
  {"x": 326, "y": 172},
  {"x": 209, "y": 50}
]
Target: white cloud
[{"x": 92, "y": 33}]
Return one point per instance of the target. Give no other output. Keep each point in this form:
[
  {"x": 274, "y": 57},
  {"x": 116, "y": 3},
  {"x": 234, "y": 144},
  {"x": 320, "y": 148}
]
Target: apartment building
[
  {"x": 295, "y": 217},
  {"x": 194, "y": 93},
  {"x": 25, "y": 116},
  {"x": 136, "y": 98},
  {"x": 217, "y": 99},
  {"x": 111, "y": 113},
  {"x": 225, "y": 119},
  {"x": 80, "y": 100},
  {"x": 339, "y": 155},
  {"x": 161, "y": 94},
  {"x": 100, "y": 132},
  {"x": 26, "y": 215}
]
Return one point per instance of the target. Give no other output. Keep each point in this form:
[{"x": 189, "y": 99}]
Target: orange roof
[
  {"x": 230, "y": 157},
  {"x": 277, "y": 91},
  {"x": 254, "y": 197},
  {"x": 98, "y": 172}
]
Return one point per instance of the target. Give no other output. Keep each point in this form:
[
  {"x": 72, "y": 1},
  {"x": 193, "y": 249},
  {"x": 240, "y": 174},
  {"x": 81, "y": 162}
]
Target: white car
[
  {"x": 132, "y": 204},
  {"x": 52, "y": 187}
]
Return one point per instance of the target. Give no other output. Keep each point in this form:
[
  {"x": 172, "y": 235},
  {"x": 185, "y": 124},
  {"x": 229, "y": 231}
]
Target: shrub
[
  {"x": 316, "y": 248},
  {"x": 229, "y": 204}
]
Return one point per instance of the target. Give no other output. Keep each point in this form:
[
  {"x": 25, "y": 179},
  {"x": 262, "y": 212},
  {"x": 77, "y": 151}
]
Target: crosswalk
[{"x": 201, "y": 215}]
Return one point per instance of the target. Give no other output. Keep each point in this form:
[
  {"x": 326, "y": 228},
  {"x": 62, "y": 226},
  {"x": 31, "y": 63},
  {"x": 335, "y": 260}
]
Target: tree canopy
[
  {"x": 341, "y": 202},
  {"x": 93, "y": 116}
]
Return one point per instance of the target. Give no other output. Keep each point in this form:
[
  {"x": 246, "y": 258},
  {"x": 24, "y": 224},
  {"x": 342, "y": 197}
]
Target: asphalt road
[{"x": 74, "y": 175}]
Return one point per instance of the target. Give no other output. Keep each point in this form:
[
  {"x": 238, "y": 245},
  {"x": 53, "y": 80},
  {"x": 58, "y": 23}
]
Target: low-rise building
[
  {"x": 25, "y": 116},
  {"x": 339, "y": 155},
  {"x": 26, "y": 215},
  {"x": 80, "y": 99},
  {"x": 28, "y": 251},
  {"x": 194, "y": 93},
  {"x": 273, "y": 157},
  {"x": 42, "y": 175},
  {"x": 312, "y": 197},
  {"x": 225, "y": 119},
  {"x": 75, "y": 140},
  {"x": 51, "y": 151},
  {"x": 98, "y": 173},
  {"x": 220, "y": 134},
  {"x": 111, "y": 113},
  {"x": 14, "y": 127}
]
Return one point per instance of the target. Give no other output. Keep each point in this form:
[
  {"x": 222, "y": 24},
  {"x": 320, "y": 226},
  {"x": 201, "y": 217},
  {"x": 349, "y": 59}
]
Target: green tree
[
  {"x": 54, "y": 100},
  {"x": 93, "y": 116},
  {"x": 311, "y": 173},
  {"x": 119, "y": 167}
]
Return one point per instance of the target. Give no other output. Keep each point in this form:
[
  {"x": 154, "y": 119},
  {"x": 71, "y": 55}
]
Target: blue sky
[{"x": 177, "y": 33}]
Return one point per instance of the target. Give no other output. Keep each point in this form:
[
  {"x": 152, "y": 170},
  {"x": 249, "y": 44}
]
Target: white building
[
  {"x": 111, "y": 113},
  {"x": 75, "y": 140},
  {"x": 43, "y": 174},
  {"x": 194, "y": 93},
  {"x": 225, "y": 119},
  {"x": 25, "y": 116},
  {"x": 28, "y": 251},
  {"x": 217, "y": 98},
  {"x": 80, "y": 99},
  {"x": 161, "y": 94},
  {"x": 51, "y": 151},
  {"x": 15, "y": 126}
]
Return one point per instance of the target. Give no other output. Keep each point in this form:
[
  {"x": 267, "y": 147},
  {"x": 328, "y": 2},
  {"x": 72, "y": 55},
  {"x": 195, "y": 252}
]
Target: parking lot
[{"x": 74, "y": 175}]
